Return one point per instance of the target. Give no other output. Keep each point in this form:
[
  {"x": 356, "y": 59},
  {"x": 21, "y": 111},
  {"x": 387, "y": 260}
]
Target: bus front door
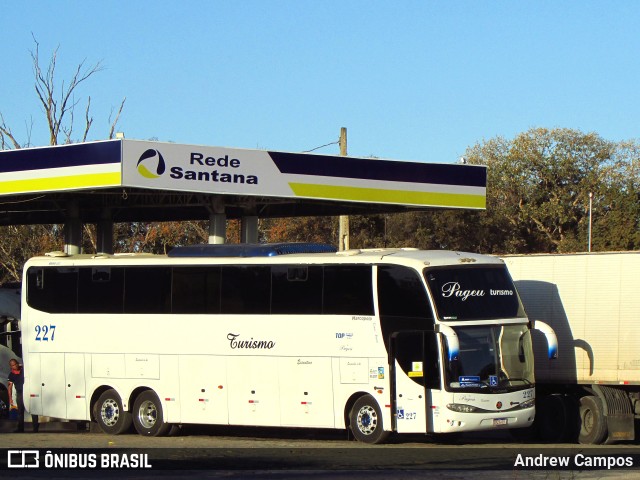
[{"x": 414, "y": 361}]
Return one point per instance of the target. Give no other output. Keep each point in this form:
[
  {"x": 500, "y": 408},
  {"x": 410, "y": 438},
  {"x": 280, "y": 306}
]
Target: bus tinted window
[
  {"x": 53, "y": 290},
  {"x": 147, "y": 290},
  {"x": 401, "y": 293},
  {"x": 245, "y": 289},
  {"x": 296, "y": 289},
  {"x": 347, "y": 290},
  {"x": 196, "y": 290},
  {"x": 100, "y": 290},
  {"x": 473, "y": 293}
]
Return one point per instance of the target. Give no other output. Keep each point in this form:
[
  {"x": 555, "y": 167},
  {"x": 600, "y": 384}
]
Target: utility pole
[
  {"x": 590, "y": 218},
  {"x": 343, "y": 229}
]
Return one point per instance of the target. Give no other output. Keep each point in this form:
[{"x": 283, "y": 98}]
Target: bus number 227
[{"x": 44, "y": 333}]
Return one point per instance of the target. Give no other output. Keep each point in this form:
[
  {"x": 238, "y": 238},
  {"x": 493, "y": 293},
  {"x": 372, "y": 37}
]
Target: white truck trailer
[{"x": 592, "y": 391}]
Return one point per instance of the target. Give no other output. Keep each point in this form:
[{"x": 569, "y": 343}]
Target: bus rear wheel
[
  {"x": 148, "y": 417},
  {"x": 365, "y": 421},
  {"x": 108, "y": 411}
]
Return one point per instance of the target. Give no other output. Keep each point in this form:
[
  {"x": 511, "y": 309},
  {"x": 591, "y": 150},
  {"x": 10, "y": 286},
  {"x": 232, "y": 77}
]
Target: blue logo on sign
[{"x": 493, "y": 380}]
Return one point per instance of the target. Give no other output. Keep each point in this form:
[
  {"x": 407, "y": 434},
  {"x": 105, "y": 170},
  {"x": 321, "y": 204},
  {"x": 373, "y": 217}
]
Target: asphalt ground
[{"x": 226, "y": 452}]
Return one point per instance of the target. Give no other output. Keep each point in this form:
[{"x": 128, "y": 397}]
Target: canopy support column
[
  {"x": 73, "y": 230},
  {"x": 104, "y": 233},
  {"x": 217, "y": 220},
  {"x": 249, "y": 232},
  {"x": 217, "y": 228}
]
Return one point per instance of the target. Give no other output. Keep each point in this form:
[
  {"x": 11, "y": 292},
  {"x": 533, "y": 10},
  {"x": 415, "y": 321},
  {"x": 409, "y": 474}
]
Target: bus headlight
[
  {"x": 528, "y": 403},
  {"x": 462, "y": 408}
]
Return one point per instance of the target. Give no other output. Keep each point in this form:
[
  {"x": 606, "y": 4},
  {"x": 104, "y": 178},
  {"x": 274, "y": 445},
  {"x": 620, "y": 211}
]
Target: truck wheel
[
  {"x": 147, "y": 415},
  {"x": 365, "y": 421},
  {"x": 593, "y": 424},
  {"x": 110, "y": 414}
]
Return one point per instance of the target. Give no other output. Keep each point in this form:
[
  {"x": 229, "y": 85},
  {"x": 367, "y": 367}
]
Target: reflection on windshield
[{"x": 492, "y": 357}]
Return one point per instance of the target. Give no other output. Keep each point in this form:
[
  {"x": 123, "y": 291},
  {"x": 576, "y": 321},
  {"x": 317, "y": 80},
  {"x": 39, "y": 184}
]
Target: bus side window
[
  {"x": 347, "y": 290},
  {"x": 402, "y": 299},
  {"x": 147, "y": 290},
  {"x": 296, "y": 290},
  {"x": 100, "y": 290},
  {"x": 245, "y": 289},
  {"x": 39, "y": 278},
  {"x": 53, "y": 289},
  {"x": 195, "y": 290}
]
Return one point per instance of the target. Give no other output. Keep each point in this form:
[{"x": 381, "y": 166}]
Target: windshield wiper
[{"x": 516, "y": 379}]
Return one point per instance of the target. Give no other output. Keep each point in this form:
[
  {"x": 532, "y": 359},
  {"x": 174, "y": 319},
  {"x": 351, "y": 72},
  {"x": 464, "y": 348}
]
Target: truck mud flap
[
  {"x": 618, "y": 412},
  {"x": 621, "y": 427}
]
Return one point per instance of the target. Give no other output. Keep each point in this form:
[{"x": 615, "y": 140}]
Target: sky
[{"x": 409, "y": 80}]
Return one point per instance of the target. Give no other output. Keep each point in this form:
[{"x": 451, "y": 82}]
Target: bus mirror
[
  {"x": 552, "y": 339},
  {"x": 452, "y": 340}
]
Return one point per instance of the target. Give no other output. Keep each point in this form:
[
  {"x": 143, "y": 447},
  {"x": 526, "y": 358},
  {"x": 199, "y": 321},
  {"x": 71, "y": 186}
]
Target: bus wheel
[
  {"x": 110, "y": 415},
  {"x": 552, "y": 419},
  {"x": 365, "y": 421},
  {"x": 147, "y": 415},
  {"x": 593, "y": 424}
]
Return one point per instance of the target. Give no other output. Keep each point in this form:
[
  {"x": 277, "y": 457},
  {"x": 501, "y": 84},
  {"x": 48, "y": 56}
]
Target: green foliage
[{"x": 539, "y": 186}]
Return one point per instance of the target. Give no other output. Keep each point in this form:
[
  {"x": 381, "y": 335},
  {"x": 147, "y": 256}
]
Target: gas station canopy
[{"x": 131, "y": 180}]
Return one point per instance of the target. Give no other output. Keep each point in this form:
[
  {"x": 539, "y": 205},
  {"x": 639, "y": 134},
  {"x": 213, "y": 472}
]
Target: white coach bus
[{"x": 282, "y": 335}]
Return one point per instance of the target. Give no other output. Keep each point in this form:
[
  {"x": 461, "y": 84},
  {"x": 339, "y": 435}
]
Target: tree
[
  {"x": 539, "y": 186},
  {"x": 157, "y": 237},
  {"x": 59, "y": 104},
  {"x": 300, "y": 229}
]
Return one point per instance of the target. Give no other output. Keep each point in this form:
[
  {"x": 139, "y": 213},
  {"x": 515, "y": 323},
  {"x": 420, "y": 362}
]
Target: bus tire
[
  {"x": 593, "y": 424},
  {"x": 110, "y": 415},
  {"x": 148, "y": 417},
  {"x": 553, "y": 419},
  {"x": 365, "y": 421}
]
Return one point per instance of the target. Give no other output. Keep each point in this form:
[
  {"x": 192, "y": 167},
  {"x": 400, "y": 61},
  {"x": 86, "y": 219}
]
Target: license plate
[{"x": 499, "y": 421}]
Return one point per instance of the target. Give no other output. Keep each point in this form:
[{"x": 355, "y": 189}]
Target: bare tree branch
[
  {"x": 5, "y": 131},
  {"x": 88, "y": 121},
  {"x": 115, "y": 121},
  {"x": 29, "y": 129},
  {"x": 57, "y": 109},
  {"x": 68, "y": 130}
]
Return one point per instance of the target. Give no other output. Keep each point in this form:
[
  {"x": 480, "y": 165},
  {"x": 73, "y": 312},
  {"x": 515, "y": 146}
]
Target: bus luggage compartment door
[{"x": 414, "y": 371}]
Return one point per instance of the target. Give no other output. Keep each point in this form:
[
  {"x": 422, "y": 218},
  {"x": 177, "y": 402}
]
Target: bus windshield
[
  {"x": 473, "y": 293},
  {"x": 492, "y": 357}
]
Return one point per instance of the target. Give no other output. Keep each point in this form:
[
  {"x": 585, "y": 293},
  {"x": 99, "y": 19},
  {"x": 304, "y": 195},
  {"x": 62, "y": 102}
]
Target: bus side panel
[
  {"x": 306, "y": 391},
  {"x": 167, "y": 387},
  {"x": 32, "y": 383},
  {"x": 254, "y": 396},
  {"x": 52, "y": 376},
  {"x": 75, "y": 381},
  {"x": 352, "y": 380},
  {"x": 203, "y": 389}
]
